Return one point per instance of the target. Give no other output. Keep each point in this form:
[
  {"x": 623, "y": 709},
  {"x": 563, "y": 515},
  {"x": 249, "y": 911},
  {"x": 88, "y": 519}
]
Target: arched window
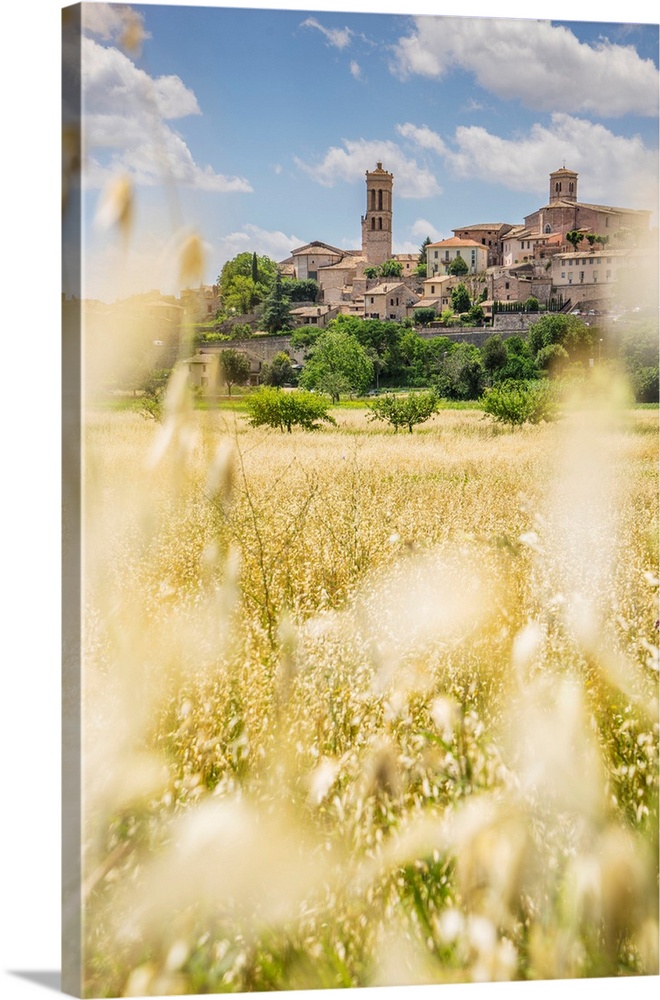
[
  {"x": 373, "y": 200},
  {"x": 380, "y": 223},
  {"x": 380, "y": 201},
  {"x": 547, "y": 228},
  {"x": 373, "y": 223}
]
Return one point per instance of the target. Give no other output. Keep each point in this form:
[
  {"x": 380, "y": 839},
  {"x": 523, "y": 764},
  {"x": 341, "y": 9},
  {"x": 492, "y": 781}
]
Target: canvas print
[{"x": 360, "y": 468}]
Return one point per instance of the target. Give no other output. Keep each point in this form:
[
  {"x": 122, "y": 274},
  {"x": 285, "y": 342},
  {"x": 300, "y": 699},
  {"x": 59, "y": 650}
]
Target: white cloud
[
  {"x": 350, "y": 164},
  {"x": 544, "y": 66},
  {"x": 272, "y": 243},
  {"x": 424, "y": 228},
  {"x": 355, "y": 69},
  {"x": 125, "y": 125},
  {"x": 613, "y": 169},
  {"x": 338, "y": 37},
  {"x": 423, "y": 137},
  {"x": 109, "y": 21}
]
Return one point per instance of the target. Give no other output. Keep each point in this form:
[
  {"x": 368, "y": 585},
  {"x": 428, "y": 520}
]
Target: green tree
[
  {"x": 574, "y": 237},
  {"x": 531, "y": 304},
  {"x": 553, "y": 359},
  {"x": 475, "y": 315},
  {"x": 422, "y": 252},
  {"x": 404, "y": 411},
  {"x": 261, "y": 276},
  {"x": 242, "y": 294},
  {"x": 152, "y": 392},
  {"x": 338, "y": 364},
  {"x": 424, "y": 316},
  {"x": 460, "y": 299},
  {"x": 416, "y": 357},
  {"x": 517, "y": 403},
  {"x": 277, "y": 311},
  {"x": 279, "y": 371},
  {"x": 494, "y": 354},
  {"x": 519, "y": 364},
  {"x": 306, "y": 290},
  {"x": 637, "y": 350},
  {"x": 371, "y": 273},
  {"x": 273, "y": 407},
  {"x": 461, "y": 373},
  {"x": 458, "y": 268},
  {"x": 391, "y": 269},
  {"x": 569, "y": 332},
  {"x": 421, "y": 269},
  {"x": 234, "y": 368}
]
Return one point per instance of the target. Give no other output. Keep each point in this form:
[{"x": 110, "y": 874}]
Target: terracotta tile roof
[
  {"x": 456, "y": 241},
  {"x": 316, "y": 247}
]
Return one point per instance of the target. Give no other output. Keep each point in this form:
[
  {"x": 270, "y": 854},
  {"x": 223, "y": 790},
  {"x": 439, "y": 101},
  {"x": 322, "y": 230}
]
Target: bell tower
[
  {"x": 563, "y": 185},
  {"x": 377, "y": 223}
]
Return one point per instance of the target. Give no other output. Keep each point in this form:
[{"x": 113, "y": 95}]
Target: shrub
[
  {"x": 517, "y": 403},
  {"x": 274, "y": 408}
]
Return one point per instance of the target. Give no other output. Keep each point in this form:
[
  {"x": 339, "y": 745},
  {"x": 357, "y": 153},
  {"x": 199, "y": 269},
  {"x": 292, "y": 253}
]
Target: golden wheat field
[{"x": 364, "y": 708}]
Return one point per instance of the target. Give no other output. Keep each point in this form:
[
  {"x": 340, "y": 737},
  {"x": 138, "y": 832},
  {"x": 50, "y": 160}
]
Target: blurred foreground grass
[{"x": 366, "y": 709}]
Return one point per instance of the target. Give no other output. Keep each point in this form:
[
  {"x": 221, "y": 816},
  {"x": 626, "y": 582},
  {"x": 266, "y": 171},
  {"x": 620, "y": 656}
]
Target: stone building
[
  {"x": 489, "y": 234},
  {"x": 391, "y": 300},
  {"x": 517, "y": 284},
  {"x": 565, "y": 213},
  {"x": 377, "y": 222},
  {"x": 337, "y": 281},
  {"x": 593, "y": 278}
]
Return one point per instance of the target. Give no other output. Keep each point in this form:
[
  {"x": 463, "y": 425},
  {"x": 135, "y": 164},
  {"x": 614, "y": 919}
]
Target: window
[
  {"x": 435, "y": 254},
  {"x": 595, "y": 275},
  {"x": 563, "y": 274},
  {"x": 581, "y": 275},
  {"x": 380, "y": 223},
  {"x": 506, "y": 285},
  {"x": 608, "y": 274}
]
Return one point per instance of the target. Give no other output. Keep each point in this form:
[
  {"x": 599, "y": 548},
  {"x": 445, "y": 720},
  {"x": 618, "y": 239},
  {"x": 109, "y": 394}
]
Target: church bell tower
[
  {"x": 377, "y": 223},
  {"x": 563, "y": 185}
]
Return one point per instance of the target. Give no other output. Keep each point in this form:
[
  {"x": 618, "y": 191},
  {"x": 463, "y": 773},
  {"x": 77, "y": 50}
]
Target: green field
[{"x": 373, "y": 708}]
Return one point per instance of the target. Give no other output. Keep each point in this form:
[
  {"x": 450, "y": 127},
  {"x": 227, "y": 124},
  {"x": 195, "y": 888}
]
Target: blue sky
[{"x": 254, "y": 127}]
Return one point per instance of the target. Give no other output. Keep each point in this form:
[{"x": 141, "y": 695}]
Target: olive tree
[
  {"x": 273, "y": 407},
  {"x": 404, "y": 411}
]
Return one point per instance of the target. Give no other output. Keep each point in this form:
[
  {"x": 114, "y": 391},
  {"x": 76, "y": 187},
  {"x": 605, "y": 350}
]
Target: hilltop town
[{"x": 568, "y": 256}]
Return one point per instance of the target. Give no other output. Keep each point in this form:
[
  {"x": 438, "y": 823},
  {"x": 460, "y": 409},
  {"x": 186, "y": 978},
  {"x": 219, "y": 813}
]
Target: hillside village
[{"x": 568, "y": 255}]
